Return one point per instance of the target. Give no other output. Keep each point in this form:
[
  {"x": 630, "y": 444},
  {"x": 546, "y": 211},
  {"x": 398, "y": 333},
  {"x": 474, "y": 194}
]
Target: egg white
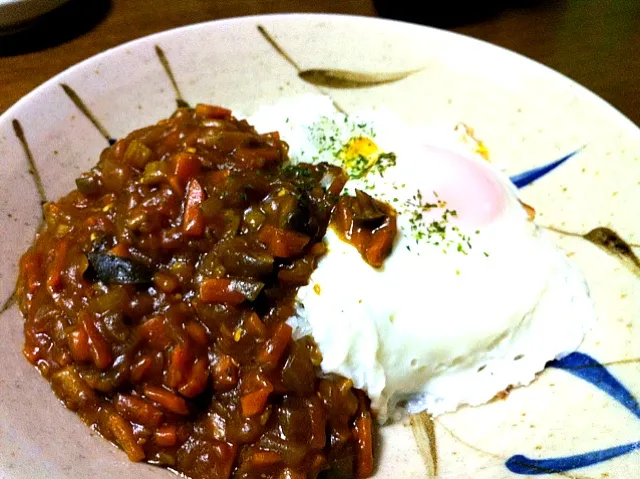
[{"x": 446, "y": 321}]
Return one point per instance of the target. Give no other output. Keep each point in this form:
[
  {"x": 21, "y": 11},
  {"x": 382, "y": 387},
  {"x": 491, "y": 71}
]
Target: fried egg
[{"x": 473, "y": 299}]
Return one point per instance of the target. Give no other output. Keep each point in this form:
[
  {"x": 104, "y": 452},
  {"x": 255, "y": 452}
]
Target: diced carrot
[
  {"x": 274, "y": 348},
  {"x": 364, "y": 437},
  {"x": 176, "y": 185},
  {"x": 380, "y": 244},
  {"x": 260, "y": 459},
  {"x": 32, "y": 353},
  {"x": 119, "y": 148},
  {"x": 339, "y": 180},
  {"x": 282, "y": 243},
  {"x": 220, "y": 290},
  {"x": 318, "y": 463},
  {"x": 98, "y": 222},
  {"x": 273, "y": 135},
  {"x": 79, "y": 345},
  {"x": 30, "y": 267},
  {"x": 197, "y": 379},
  {"x": 166, "y": 282},
  {"x": 140, "y": 368},
  {"x": 256, "y": 401},
  {"x": 109, "y": 199},
  {"x": 267, "y": 154},
  {"x": 197, "y": 332},
  {"x": 212, "y": 459},
  {"x": 166, "y": 436},
  {"x": 192, "y": 139},
  {"x": 193, "y": 219},
  {"x": 318, "y": 436},
  {"x": 170, "y": 141},
  {"x": 255, "y": 158},
  {"x": 217, "y": 177},
  {"x": 185, "y": 166},
  {"x": 154, "y": 331},
  {"x": 123, "y": 433},
  {"x": 252, "y": 380},
  {"x": 211, "y": 111},
  {"x": 254, "y": 325},
  {"x": 177, "y": 370},
  {"x": 167, "y": 400},
  {"x": 225, "y": 373},
  {"x": 120, "y": 249},
  {"x": 54, "y": 277},
  {"x": 138, "y": 410},
  {"x": 98, "y": 347},
  {"x": 318, "y": 249}
]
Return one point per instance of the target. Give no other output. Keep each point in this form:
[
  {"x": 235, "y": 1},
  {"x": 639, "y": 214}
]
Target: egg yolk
[
  {"x": 359, "y": 153},
  {"x": 463, "y": 184}
]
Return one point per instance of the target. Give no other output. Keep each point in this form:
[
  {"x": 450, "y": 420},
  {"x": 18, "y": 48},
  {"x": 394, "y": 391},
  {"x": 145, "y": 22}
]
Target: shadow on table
[
  {"x": 69, "y": 21},
  {"x": 447, "y": 14}
]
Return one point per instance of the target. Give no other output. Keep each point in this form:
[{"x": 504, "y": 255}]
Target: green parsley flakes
[{"x": 438, "y": 232}]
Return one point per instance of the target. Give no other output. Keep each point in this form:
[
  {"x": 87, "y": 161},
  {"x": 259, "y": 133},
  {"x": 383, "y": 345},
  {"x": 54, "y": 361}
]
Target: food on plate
[
  {"x": 472, "y": 298},
  {"x": 227, "y": 304},
  {"x": 156, "y": 295}
]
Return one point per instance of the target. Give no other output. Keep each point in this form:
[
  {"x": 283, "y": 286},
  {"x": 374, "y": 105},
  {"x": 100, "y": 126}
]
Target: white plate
[{"x": 527, "y": 115}]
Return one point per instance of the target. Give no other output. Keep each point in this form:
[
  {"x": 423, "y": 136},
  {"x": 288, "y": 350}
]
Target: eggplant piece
[
  {"x": 104, "y": 244},
  {"x": 250, "y": 289},
  {"x": 303, "y": 219},
  {"x": 366, "y": 208},
  {"x": 111, "y": 269},
  {"x": 239, "y": 259},
  {"x": 89, "y": 184}
]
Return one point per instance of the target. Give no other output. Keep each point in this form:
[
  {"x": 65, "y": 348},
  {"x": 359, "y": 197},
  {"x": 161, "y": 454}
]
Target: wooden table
[{"x": 595, "y": 42}]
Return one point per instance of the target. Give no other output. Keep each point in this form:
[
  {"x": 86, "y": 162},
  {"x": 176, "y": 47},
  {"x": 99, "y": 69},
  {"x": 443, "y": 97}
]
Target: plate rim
[
  {"x": 583, "y": 92},
  {"x": 601, "y": 108}
]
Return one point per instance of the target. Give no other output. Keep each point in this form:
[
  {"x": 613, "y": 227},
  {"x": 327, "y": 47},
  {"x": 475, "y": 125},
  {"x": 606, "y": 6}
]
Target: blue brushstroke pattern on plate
[{"x": 591, "y": 371}]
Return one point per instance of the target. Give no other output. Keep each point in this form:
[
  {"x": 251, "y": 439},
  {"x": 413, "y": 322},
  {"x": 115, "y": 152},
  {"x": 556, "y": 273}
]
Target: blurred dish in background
[
  {"x": 15, "y": 14},
  {"x": 65, "y": 21},
  {"x": 438, "y": 14},
  {"x": 446, "y": 14}
]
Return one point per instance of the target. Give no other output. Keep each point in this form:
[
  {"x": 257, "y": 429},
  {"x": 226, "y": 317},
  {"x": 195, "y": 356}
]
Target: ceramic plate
[{"x": 580, "y": 418}]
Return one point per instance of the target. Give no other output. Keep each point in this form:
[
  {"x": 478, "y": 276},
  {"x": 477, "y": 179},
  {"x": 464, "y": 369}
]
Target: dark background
[{"x": 595, "y": 42}]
